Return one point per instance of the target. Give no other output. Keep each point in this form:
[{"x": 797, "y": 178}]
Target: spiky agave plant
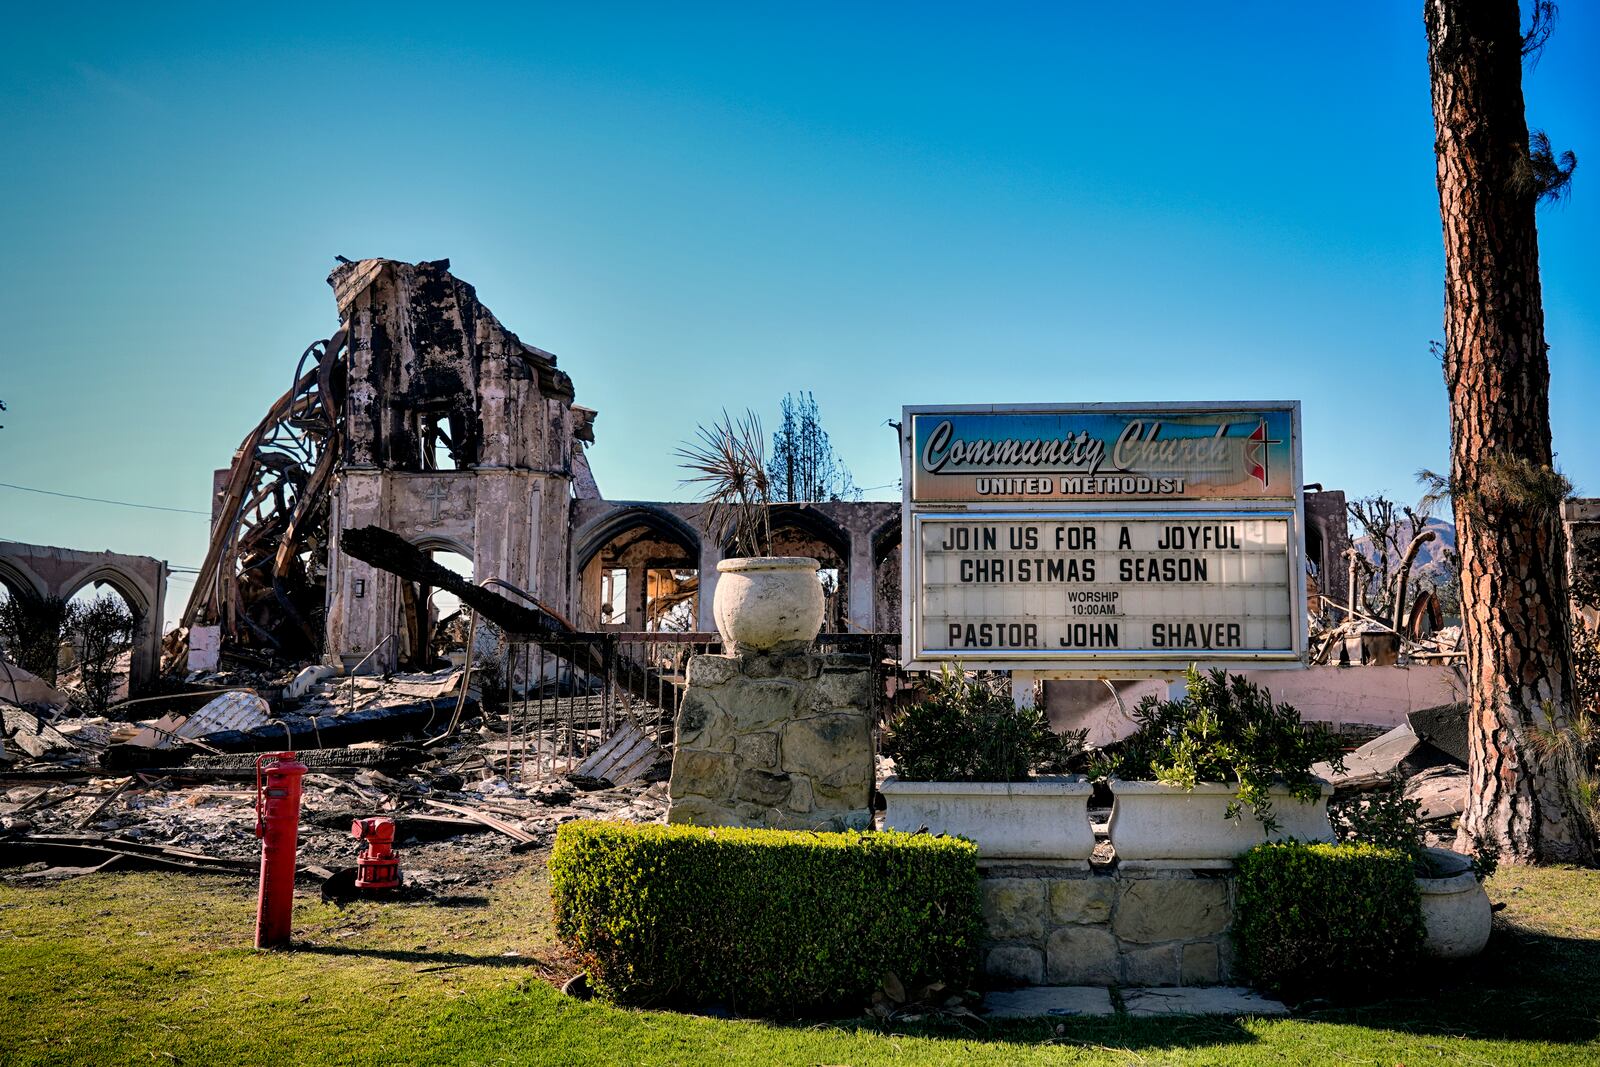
[{"x": 729, "y": 464}]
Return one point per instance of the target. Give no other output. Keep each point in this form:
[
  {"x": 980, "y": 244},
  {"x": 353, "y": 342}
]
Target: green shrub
[
  {"x": 771, "y": 922},
  {"x": 1385, "y": 818},
  {"x": 1313, "y": 918},
  {"x": 969, "y": 729},
  {"x": 1225, "y": 729}
]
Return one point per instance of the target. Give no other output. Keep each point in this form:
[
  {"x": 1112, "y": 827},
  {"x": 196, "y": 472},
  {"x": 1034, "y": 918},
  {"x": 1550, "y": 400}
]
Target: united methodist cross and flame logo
[{"x": 1256, "y": 453}]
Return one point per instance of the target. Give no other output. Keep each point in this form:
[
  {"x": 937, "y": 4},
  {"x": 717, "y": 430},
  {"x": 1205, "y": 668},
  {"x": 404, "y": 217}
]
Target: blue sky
[{"x": 698, "y": 206}]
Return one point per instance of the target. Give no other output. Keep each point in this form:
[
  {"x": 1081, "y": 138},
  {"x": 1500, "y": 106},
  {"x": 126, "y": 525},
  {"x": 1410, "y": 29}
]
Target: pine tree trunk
[{"x": 1513, "y": 567}]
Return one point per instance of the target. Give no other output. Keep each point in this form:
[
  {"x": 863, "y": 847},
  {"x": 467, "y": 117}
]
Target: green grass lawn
[{"x": 141, "y": 968}]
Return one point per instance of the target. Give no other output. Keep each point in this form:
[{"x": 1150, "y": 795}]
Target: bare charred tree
[
  {"x": 31, "y": 629},
  {"x": 803, "y": 466},
  {"x": 1386, "y": 527},
  {"x": 102, "y": 631},
  {"x": 1506, "y": 494}
]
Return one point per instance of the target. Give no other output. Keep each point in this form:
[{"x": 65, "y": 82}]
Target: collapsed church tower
[
  {"x": 458, "y": 437},
  {"x": 421, "y": 414}
]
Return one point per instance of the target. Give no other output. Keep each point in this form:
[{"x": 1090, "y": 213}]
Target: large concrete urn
[
  {"x": 1455, "y": 908},
  {"x": 768, "y": 603}
]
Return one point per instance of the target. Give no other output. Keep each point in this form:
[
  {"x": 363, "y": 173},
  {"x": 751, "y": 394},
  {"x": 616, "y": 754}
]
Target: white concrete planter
[
  {"x": 1455, "y": 907},
  {"x": 764, "y": 603},
  {"x": 1038, "y": 819},
  {"x": 1159, "y": 825}
]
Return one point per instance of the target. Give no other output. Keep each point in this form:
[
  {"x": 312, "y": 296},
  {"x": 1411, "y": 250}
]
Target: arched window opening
[
  {"x": 643, "y": 575},
  {"x": 433, "y": 628},
  {"x": 96, "y": 652},
  {"x": 442, "y": 441}
]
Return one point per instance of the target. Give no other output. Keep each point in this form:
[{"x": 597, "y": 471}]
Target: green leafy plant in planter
[
  {"x": 970, "y": 730},
  {"x": 1384, "y": 817},
  {"x": 727, "y": 460},
  {"x": 1226, "y": 729}
]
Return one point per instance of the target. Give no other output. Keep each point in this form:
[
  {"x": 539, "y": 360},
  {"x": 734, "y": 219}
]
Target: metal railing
[{"x": 564, "y": 696}]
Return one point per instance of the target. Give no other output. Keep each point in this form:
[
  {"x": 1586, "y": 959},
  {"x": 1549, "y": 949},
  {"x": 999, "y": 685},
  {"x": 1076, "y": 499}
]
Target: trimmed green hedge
[
  {"x": 772, "y": 922},
  {"x": 1312, "y": 918}
]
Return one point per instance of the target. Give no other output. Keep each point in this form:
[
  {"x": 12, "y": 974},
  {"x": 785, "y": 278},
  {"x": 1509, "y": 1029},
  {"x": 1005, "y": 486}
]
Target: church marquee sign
[{"x": 1104, "y": 538}]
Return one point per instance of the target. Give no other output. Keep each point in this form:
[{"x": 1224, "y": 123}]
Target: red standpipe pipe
[{"x": 278, "y": 826}]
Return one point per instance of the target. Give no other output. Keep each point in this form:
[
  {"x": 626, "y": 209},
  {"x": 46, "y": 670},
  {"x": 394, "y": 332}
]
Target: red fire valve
[
  {"x": 377, "y": 867},
  {"x": 278, "y": 826}
]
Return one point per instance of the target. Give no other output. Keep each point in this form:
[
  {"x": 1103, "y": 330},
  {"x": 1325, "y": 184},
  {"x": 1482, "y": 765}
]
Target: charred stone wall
[{"x": 459, "y": 437}]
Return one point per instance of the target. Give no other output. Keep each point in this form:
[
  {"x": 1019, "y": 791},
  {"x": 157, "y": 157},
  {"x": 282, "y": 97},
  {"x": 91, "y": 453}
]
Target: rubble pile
[
  {"x": 180, "y": 788},
  {"x": 1427, "y": 754}
]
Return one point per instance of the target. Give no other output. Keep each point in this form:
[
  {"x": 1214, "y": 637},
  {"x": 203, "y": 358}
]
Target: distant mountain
[{"x": 1430, "y": 557}]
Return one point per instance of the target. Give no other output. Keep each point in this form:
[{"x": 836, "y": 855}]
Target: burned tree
[
  {"x": 1387, "y": 528},
  {"x": 102, "y": 630},
  {"x": 803, "y": 467},
  {"x": 1505, "y": 491},
  {"x": 31, "y": 629}
]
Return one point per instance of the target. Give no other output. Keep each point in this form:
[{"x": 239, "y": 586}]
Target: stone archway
[
  {"x": 637, "y": 568},
  {"x": 420, "y": 610},
  {"x": 18, "y": 580},
  {"x": 141, "y": 581},
  {"x": 94, "y": 581}
]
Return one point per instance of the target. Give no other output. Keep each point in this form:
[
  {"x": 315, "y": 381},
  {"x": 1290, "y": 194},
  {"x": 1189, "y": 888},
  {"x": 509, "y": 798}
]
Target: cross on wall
[{"x": 436, "y": 494}]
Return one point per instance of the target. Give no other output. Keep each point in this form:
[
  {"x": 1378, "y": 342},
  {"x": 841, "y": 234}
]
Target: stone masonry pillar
[
  {"x": 780, "y": 741},
  {"x": 861, "y": 601}
]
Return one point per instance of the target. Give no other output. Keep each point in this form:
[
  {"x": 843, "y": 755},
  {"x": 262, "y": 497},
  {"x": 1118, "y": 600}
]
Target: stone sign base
[
  {"x": 1061, "y": 926},
  {"x": 778, "y": 741}
]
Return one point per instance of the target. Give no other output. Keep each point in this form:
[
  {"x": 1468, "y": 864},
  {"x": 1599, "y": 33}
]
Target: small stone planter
[
  {"x": 1042, "y": 819},
  {"x": 1158, "y": 825},
  {"x": 1455, "y": 907},
  {"x": 768, "y": 603}
]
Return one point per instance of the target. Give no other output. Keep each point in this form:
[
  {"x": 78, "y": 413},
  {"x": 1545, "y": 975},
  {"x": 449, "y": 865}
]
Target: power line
[{"x": 103, "y": 500}]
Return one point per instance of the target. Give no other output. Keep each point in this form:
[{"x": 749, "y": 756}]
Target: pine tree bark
[{"x": 1513, "y": 567}]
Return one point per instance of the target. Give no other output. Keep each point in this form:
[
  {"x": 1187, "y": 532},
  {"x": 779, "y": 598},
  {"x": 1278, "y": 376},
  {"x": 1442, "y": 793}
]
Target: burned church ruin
[{"x": 424, "y": 416}]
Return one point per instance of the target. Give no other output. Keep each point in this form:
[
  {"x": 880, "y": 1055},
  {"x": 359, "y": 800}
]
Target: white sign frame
[{"x": 1047, "y": 663}]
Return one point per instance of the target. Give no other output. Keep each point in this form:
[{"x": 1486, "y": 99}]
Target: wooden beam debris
[
  {"x": 390, "y": 552},
  {"x": 516, "y": 833},
  {"x": 624, "y": 757}
]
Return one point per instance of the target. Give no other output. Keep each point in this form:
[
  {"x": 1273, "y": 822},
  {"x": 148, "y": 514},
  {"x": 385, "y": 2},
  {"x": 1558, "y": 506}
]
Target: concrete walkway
[
  {"x": 1200, "y": 1000},
  {"x": 1061, "y": 1001},
  {"x": 1048, "y": 1000}
]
